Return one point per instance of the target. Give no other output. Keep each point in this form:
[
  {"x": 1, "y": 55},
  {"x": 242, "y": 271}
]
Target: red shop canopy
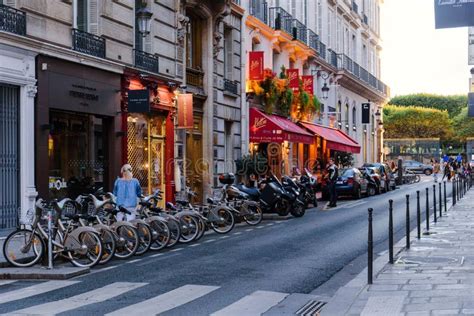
[
  {"x": 335, "y": 139},
  {"x": 265, "y": 128}
]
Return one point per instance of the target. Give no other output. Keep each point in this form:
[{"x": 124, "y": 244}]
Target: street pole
[
  {"x": 370, "y": 249},
  {"x": 445, "y": 199},
  {"x": 418, "y": 214},
  {"x": 440, "y": 202},
  {"x": 390, "y": 230},
  {"x": 407, "y": 225},
  {"x": 427, "y": 213},
  {"x": 50, "y": 239},
  {"x": 434, "y": 204}
]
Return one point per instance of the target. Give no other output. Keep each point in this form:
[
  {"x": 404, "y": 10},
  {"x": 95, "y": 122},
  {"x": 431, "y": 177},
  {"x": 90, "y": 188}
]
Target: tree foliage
[
  {"x": 451, "y": 103},
  {"x": 416, "y": 122},
  {"x": 463, "y": 125}
]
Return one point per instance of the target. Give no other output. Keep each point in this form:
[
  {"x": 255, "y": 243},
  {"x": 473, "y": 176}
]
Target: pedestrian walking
[
  {"x": 127, "y": 189},
  {"x": 436, "y": 170},
  {"x": 332, "y": 178}
]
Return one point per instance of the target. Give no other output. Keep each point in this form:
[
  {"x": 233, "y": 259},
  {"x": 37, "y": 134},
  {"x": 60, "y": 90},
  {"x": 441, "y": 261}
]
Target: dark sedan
[{"x": 352, "y": 182}]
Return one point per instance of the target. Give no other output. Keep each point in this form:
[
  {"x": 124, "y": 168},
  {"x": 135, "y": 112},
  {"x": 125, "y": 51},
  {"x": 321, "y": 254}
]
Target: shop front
[
  {"x": 77, "y": 129},
  {"x": 148, "y": 122},
  {"x": 273, "y": 137}
]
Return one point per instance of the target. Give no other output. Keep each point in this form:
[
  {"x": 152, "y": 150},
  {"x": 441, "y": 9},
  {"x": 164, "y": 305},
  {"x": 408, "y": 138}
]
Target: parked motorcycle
[{"x": 308, "y": 184}]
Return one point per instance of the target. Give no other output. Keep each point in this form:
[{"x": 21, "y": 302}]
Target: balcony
[
  {"x": 231, "y": 86},
  {"x": 195, "y": 77},
  {"x": 322, "y": 50},
  {"x": 355, "y": 7},
  {"x": 365, "y": 19},
  {"x": 237, "y": 2},
  {"x": 258, "y": 9},
  {"x": 146, "y": 61},
  {"x": 281, "y": 20},
  {"x": 334, "y": 59},
  {"x": 313, "y": 40},
  {"x": 12, "y": 20},
  {"x": 362, "y": 74},
  {"x": 300, "y": 32},
  {"x": 88, "y": 43}
]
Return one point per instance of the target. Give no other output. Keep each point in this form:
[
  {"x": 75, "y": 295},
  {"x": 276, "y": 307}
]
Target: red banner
[
  {"x": 256, "y": 66},
  {"x": 308, "y": 84},
  {"x": 293, "y": 78},
  {"x": 185, "y": 111}
]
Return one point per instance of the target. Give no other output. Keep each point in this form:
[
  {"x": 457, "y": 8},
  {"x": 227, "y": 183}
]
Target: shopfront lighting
[
  {"x": 377, "y": 113},
  {"x": 143, "y": 16}
]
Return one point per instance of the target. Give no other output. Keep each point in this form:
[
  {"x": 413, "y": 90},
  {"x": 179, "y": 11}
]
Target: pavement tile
[
  {"x": 415, "y": 287},
  {"x": 424, "y": 313},
  {"x": 467, "y": 311},
  {"x": 435, "y": 281},
  {"x": 453, "y": 286},
  {"x": 461, "y": 299},
  {"x": 391, "y": 281},
  {"x": 431, "y": 306},
  {"x": 384, "y": 287},
  {"x": 446, "y": 312},
  {"x": 419, "y": 300},
  {"x": 431, "y": 293}
]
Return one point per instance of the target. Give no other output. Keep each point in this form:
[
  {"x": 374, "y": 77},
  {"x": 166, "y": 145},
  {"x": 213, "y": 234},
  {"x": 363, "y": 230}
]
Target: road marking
[
  {"x": 237, "y": 233},
  {"x": 194, "y": 245},
  {"x": 101, "y": 270},
  {"x": 176, "y": 249},
  {"x": 249, "y": 230},
  {"x": 4, "y": 282},
  {"x": 210, "y": 240},
  {"x": 34, "y": 290},
  {"x": 256, "y": 303},
  {"x": 260, "y": 227},
  {"x": 133, "y": 261},
  {"x": 95, "y": 296},
  {"x": 166, "y": 301},
  {"x": 157, "y": 255},
  {"x": 270, "y": 224},
  {"x": 223, "y": 237}
]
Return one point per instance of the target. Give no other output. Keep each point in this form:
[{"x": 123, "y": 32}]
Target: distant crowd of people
[{"x": 451, "y": 168}]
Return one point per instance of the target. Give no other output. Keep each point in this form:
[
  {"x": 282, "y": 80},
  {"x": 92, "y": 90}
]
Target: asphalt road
[{"x": 288, "y": 256}]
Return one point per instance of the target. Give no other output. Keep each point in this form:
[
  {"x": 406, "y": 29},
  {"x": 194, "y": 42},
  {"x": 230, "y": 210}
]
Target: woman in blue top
[{"x": 127, "y": 190}]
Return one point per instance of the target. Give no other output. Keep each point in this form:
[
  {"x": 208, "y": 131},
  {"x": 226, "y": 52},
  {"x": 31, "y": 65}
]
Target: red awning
[
  {"x": 335, "y": 139},
  {"x": 265, "y": 128}
]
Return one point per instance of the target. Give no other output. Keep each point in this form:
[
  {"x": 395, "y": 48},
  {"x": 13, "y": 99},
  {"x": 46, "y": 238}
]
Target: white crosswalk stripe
[
  {"x": 34, "y": 290},
  {"x": 95, "y": 296},
  {"x": 166, "y": 301},
  {"x": 254, "y": 304},
  {"x": 4, "y": 282}
]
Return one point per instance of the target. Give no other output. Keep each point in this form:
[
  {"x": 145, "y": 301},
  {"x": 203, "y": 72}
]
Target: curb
[{"x": 42, "y": 273}]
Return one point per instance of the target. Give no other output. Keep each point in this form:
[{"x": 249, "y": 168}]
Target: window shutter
[
  {"x": 11, "y": 3},
  {"x": 229, "y": 51},
  {"x": 93, "y": 17},
  {"x": 148, "y": 45}
]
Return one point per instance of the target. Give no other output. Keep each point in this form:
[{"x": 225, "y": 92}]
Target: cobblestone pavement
[{"x": 434, "y": 277}]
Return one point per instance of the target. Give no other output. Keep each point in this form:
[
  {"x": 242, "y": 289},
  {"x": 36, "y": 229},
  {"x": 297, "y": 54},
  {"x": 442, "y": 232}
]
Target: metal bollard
[
  {"x": 50, "y": 239},
  {"x": 407, "y": 225},
  {"x": 427, "y": 213},
  {"x": 370, "y": 249},
  {"x": 418, "y": 214},
  {"x": 454, "y": 192},
  {"x": 440, "y": 202},
  {"x": 390, "y": 231},
  {"x": 434, "y": 204},
  {"x": 445, "y": 199}
]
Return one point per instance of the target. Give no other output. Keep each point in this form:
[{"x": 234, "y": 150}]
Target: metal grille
[
  {"x": 137, "y": 155},
  {"x": 312, "y": 308},
  {"x": 9, "y": 156}
]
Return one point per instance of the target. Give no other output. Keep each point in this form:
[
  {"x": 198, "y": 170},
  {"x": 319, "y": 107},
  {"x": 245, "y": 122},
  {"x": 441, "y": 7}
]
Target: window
[
  {"x": 194, "y": 43},
  {"x": 330, "y": 29},
  {"x": 319, "y": 16},
  {"x": 354, "y": 115},
  {"x": 82, "y": 15},
  {"x": 228, "y": 53},
  {"x": 229, "y": 145},
  {"x": 339, "y": 33},
  {"x": 339, "y": 110},
  {"x": 346, "y": 120}
]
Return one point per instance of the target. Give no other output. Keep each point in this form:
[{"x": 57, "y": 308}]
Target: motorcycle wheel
[
  {"x": 282, "y": 207},
  {"x": 298, "y": 210},
  {"x": 255, "y": 215}
]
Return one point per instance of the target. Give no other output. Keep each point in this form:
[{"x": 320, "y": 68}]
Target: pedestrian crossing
[{"x": 89, "y": 302}]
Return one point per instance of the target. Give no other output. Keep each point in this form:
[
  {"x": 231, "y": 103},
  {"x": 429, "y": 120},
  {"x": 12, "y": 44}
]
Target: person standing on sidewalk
[
  {"x": 436, "y": 170},
  {"x": 332, "y": 178},
  {"x": 127, "y": 190}
]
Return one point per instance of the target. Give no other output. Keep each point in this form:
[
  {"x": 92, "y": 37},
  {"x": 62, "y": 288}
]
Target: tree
[
  {"x": 451, "y": 103},
  {"x": 463, "y": 125},
  {"x": 416, "y": 122}
]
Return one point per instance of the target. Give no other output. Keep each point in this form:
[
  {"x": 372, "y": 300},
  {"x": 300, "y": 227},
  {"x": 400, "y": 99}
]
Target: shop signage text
[
  {"x": 308, "y": 84},
  {"x": 139, "y": 101},
  {"x": 293, "y": 78},
  {"x": 365, "y": 113},
  {"x": 256, "y": 65},
  {"x": 454, "y": 13},
  {"x": 185, "y": 111}
]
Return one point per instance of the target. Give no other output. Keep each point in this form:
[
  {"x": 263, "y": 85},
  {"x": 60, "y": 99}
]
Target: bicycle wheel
[
  {"x": 226, "y": 222},
  {"x": 145, "y": 239},
  {"x": 175, "y": 232},
  {"x": 254, "y": 216},
  {"x": 89, "y": 251},
  {"x": 189, "y": 228},
  {"x": 109, "y": 246},
  {"x": 161, "y": 233},
  {"x": 23, "y": 248},
  {"x": 127, "y": 241}
]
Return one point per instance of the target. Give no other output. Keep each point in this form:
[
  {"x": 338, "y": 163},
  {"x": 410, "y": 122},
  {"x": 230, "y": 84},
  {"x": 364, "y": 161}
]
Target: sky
[{"x": 418, "y": 58}]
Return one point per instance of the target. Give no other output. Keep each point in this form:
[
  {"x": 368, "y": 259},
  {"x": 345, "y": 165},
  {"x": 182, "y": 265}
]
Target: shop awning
[
  {"x": 335, "y": 139},
  {"x": 265, "y": 128}
]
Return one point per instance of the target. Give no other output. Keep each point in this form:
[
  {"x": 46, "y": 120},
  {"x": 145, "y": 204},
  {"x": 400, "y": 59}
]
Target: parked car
[
  {"x": 352, "y": 182},
  {"x": 417, "y": 167},
  {"x": 374, "y": 174},
  {"x": 385, "y": 173}
]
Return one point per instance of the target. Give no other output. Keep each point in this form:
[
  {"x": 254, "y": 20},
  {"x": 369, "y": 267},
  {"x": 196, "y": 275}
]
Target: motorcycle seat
[
  {"x": 182, "y": 202},
  {"x": 254, "y": 193}
]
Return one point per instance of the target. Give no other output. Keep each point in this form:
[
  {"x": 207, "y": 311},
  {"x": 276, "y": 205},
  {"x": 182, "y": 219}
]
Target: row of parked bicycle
[{"x": 86, "y": 231}]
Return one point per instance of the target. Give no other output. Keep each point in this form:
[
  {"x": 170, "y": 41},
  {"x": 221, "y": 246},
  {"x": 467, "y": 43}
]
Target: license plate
[{"x": 339, "y": 182}]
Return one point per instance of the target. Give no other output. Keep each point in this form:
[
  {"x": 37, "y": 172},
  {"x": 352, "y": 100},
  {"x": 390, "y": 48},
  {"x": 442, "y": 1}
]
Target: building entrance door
[
  {"x": 195, "y": 165},
  {"x": 9, "y": 156}
]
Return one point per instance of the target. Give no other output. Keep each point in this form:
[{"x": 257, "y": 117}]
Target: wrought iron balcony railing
[
  {"x": 334, "y": 58},
  {"x": 322, "y": 51},
  {"x": 355, "y": 7},
  {"x": 313, "y": 40},
  {"x": 146, "y": 61},
  {"x": 12, "y": 20},
  {"x": 365, "y": 19},
  {"x": 300, "y": 32},
  {"x": 195, "y": 77},
  {"x": 259, "y": 9},
  {"x": 88, "y": 43},
  {"x": 362, "y": 74},
  {"x": 237, "y": 2},
  {"x": 281, "y": 20},
  {"x": 231, "y": 86}
]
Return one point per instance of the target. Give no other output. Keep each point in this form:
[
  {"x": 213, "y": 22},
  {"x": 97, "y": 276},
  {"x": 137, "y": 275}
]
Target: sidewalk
[{"x": 434, "y": 277}]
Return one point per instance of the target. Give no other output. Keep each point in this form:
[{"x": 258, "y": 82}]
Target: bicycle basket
[{"x": 28, "y": 218}]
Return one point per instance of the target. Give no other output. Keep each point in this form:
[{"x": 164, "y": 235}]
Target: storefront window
[{"x": 76, "y": 153}]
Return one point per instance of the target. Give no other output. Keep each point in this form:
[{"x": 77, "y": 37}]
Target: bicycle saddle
[
  {"x": 61, "y": 203},
  {"x": 97, "y": 203}
]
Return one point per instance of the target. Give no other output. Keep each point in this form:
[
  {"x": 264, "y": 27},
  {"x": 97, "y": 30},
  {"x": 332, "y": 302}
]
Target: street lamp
[
  {"x": 143, "y": 16},
  {"x": 325, "y": 76},
  {"x": 325, "y": 90}
]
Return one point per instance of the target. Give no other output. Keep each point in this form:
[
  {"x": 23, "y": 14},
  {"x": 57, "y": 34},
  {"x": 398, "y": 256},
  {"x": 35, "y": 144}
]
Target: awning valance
[
  {"x": 335, "y": 139},
  {"x": 265, "y": 128}
]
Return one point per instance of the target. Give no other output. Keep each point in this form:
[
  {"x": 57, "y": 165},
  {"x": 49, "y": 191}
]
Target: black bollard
[
  {"x": 454, "y": 192},
  {"x": 427, "y": 213},
  {"x": 434, "y": 204},
  {"x": 390, "y": 231},
  {"x": 407, "y": 225},
  {"x": 445, "y": 202},
  {"x": 370, "y": 249},
  {"x": 418, "y": 214},
  {"x": 440, "y": 202}
]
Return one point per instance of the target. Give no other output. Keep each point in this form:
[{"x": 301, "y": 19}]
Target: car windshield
[{"x": 347, "y": 173}]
